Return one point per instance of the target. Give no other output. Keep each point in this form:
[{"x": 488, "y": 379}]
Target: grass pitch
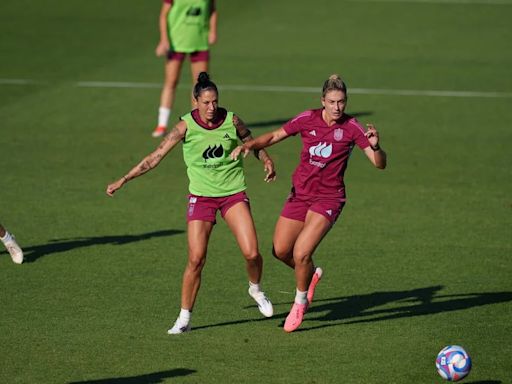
[{"x": 419, "y": 259}]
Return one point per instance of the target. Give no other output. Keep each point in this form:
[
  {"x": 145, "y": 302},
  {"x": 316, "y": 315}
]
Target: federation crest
[{"x": 338, "y": 134}]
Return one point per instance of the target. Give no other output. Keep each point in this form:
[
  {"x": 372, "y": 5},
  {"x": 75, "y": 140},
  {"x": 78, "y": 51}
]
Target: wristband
[{"x": 376, "y": 148}]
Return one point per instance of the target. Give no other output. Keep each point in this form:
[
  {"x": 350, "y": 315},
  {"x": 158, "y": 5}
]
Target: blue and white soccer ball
[{"x": 453, "y": 363}]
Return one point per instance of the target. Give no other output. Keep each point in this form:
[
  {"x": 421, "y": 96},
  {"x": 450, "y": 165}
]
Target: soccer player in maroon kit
[{"x": 318, "y": 192}]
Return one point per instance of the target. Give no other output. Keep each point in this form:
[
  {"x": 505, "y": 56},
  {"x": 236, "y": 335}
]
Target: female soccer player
[
  {"x": 209, "y": 133},
  {"x": 186, "y": 27},
  {"x": 318, "y": 192}
]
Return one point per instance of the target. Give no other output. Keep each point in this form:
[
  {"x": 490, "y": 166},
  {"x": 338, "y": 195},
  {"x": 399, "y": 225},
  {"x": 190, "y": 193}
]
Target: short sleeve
[
  {"x": 294, "y": 126},
  {"x": 359, "y": 138}
]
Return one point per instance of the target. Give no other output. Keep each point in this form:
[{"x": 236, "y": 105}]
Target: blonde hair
[{"x": 334, "y": 83}]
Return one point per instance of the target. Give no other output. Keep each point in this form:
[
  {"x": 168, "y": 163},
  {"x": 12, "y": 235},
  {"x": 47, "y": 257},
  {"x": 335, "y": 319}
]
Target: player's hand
[
  {"x": 270, "y": 171},
  {"x": 162, "y": 48},
  {"x": 112, "y": 188},
  {"x": 372, "y": 135},
  {"x": 240, "y": 149},
  {"x": 212, "y": 38}
]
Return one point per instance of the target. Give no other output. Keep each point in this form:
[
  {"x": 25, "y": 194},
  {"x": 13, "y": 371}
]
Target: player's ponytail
[
  {"x": 203, "y": 84},
  {"x": 334, "y": 83}
]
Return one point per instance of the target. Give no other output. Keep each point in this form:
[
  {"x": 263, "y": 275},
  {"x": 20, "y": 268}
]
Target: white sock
[
  {"x": 184, "y": 316},
  {"x": 7, "y": 237},
  {"x": 163, "y": 116},
  {"x": 254, "y": 287},
  {"x": 301, "y": 297}
]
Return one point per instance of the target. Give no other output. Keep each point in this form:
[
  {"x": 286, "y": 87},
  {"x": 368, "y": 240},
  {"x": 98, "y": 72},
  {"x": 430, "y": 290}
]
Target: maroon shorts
[
  {"x": 194, "y": 56},
  {"x": 205, "y": 208},
  {"x": 296, "y": 208}
]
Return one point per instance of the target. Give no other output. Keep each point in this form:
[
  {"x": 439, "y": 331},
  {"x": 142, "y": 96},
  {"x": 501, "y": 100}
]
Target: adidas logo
[
  {"x": 329, "y": 212},
  {"x": 312, "y": 133},
  {"x": 226, "y": 136}
]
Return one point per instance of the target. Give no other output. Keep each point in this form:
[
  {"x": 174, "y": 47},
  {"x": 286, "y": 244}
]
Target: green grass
[{"x": 420, "y": 258}]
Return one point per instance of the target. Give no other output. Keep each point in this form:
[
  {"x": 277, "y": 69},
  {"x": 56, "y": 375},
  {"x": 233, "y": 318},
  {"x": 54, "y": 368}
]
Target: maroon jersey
[{"x": 325, "y": 153}]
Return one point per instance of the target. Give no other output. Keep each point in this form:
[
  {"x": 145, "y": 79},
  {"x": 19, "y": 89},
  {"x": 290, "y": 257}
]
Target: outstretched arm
[
  {"x": 374, "y": 152},
  {"x": 263, "y": 141},
  {"x": 245, "y": 136},
  {"x": 153, "y": 159}
]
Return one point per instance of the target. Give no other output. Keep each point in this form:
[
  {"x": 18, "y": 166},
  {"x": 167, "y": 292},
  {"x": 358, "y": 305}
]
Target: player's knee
[
  {"x": 171, "y": 83},
  {"x": 196, "y": 263},
  {"x": 302, "y": 257},
  {"x": 252, "y": 256},
  {"x": 279, "y": 253}
]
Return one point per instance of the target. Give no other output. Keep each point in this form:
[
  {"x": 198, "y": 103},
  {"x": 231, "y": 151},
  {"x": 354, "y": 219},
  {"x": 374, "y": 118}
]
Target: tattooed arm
[
  {"x": 245, "y": 135},
  {"x": 153, "y": 159}
]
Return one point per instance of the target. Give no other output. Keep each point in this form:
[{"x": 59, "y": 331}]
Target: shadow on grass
[
  {"x": 34, "y": 252},
  {"x": 484, "y": 382},
  {"x": 383, "y": 306},
  {"x": 398, "y": 304},
  {"x": 150, "y": 378},
  {"x": 279, "y": 122}
]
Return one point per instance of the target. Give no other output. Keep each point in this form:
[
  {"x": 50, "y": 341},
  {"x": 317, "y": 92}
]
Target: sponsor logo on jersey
[
  {"x": 322, "y": 150},
  {"x": 338, "y": 134},
  {"x": 215, "y": 152},
  {"x": 194, "y": 11}
]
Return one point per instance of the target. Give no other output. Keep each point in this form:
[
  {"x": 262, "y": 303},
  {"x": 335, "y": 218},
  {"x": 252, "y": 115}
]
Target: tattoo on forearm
[{"x": 263, "y": 155}]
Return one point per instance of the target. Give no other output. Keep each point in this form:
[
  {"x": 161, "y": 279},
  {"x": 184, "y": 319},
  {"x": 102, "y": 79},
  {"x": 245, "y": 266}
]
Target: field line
[{"x": 279, "y": 89}]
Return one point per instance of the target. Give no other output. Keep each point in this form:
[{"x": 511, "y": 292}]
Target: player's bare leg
[
  {"x": 195, "y": 69},
  {"x": 285, "y": 234},
  {"x": 172, "y": 75},
  {"x": 198, "y": 236},
  {"x": 315, "y": 228},
  {"x": 239, "y": 219}
]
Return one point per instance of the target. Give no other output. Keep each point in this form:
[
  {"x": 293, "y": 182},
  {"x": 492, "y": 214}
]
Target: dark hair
[
  {"x": 334, "y": 83},
  {"x": 204, "y": 84}
]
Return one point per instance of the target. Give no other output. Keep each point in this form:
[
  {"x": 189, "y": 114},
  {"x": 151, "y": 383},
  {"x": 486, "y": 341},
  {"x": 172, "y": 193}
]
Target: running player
[
  {"x": 209, "y": 133},
  {"x": 186, "y": 27},
  {"x": 318, "y": 192}
]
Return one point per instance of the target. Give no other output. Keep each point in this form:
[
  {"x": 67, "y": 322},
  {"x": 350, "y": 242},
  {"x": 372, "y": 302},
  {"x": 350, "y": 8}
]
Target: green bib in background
[{"x": 188, "y": 25}]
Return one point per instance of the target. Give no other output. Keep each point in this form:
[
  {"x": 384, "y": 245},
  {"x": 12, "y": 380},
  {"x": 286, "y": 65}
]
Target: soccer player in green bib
[
  {"x": 187, "y": 27},
  {"x": 209, "y": 134}
]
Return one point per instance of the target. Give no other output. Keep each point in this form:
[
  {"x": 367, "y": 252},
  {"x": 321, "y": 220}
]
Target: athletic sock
[
  {"x": 184, "y": 316},
  {"x": 301, "y": 297},
  {"x": 163, "y": 116},
  {"x": 7, "y": 237},
  {"x": 254, "y": 288}
]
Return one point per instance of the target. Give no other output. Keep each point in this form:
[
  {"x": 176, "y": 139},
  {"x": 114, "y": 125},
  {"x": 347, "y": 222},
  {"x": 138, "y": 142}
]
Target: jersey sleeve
[
  {"x": 295, "y": 125},
  {"x": 168, "y": 2},
  {"x": 359, "y": 138}
]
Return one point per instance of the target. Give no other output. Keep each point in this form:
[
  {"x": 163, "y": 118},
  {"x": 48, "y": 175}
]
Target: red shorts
[
  {"x": 205, "y": 208},
  {"x": 194, "y": 56},
  {"x": 296, "y": 208}
]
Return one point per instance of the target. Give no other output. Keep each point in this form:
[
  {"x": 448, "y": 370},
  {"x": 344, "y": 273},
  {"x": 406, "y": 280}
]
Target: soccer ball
[{"x": 453, "y": 363}]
